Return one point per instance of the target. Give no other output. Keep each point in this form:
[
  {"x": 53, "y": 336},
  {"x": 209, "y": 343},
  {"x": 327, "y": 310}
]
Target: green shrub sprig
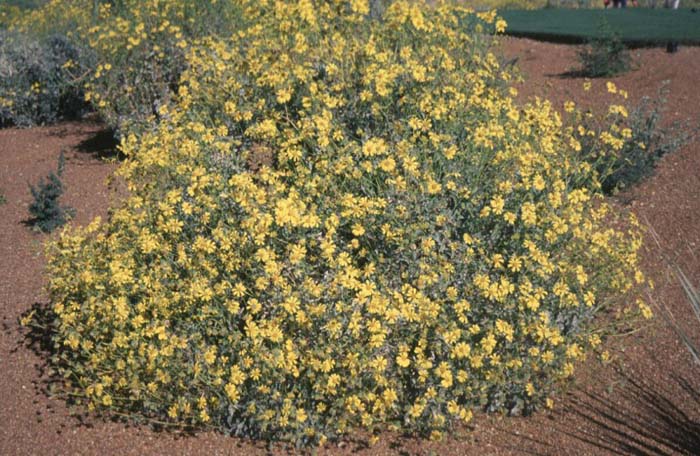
[
  {"x": 45, "y": 209},
  {"x": 606, "y": 55}
]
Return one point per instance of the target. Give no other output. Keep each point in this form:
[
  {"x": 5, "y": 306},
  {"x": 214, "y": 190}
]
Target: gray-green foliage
[
  {"x": 649, "y": 142},
  {"x": 39, "y": 79},
  {"x": 646, "y": 141},
  {"x": 46, "y": 210}
]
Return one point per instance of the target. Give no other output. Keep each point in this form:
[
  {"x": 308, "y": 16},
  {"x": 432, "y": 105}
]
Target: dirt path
[{"x": 646, "y": 402}]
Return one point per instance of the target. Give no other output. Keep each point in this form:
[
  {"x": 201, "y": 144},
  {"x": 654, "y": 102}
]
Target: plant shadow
[
  {"x": 639, "y": 416},
  {"x": 99, "y": 141},
  {"x": 569, "y": 74},
  {"x": 103, "y": 145},
  {"x": 646, "y": 420},
  {"x": 36, "y": 334}
]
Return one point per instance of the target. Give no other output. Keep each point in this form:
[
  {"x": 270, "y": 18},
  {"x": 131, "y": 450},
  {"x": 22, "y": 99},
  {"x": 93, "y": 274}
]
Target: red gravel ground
[{"x": 647, "y": 401}]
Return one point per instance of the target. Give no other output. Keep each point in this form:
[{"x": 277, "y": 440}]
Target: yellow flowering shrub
[
  {"x": 340, "y": 223},
  {"x": 623, "y": 144},
  {"x": 138, "y": 47},
  {"x": 8, "y": 15}
]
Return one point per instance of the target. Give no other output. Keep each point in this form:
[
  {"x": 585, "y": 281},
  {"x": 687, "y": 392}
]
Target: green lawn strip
[
  {"x": 25, "y": 4},
  {"x": 636, "y": 26}
]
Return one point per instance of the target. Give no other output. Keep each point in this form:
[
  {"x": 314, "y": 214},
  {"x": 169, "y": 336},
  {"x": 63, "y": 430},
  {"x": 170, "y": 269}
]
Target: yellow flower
[
  {"x": 450, "y": 152},
  {"x": 501, "y": 26},
  {"x": 388, "y": 164},
  {"x": 644, "y": 309},
  {"x": 210, "y": 355},
  {"x": 528, "y": 214},
  {"x": 529, "y": 389},
  {"x": 284, "y": 95},
  {"x": 358, "y": 230},
  {"x": 360, "y": 6},
  {"x": 461, "y": 350},
  {"x": 373, "y": 147},
  {"x": 497, "y": 204},
  {"x": 232, "y": 392},
  {"x": 402, "y": 360},
  {"x": 297, "y": 253}
]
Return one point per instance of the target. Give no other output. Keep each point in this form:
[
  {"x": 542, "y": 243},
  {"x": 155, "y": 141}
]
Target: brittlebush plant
[
  {"x": 138, "y": 48},
  {"x": 8, "y": 15},
  {"x": 341, "y": 223},
  {"x": 37, "y": 79},
  {"x": 623, "y": 144},
  {"x": 141, "y": 47}
]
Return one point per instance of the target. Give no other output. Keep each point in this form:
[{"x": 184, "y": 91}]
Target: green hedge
[{"x": 636, "y": 26}]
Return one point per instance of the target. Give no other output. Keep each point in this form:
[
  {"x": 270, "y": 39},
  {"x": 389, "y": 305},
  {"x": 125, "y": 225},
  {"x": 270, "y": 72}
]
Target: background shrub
[
  {"x": 38, "y": 79},
  {"x": 606, "y": 55},
  {"x": 648, "y": 143},
  {"x": 624, "y": 146},
  {"x": 138, "y": 48}
]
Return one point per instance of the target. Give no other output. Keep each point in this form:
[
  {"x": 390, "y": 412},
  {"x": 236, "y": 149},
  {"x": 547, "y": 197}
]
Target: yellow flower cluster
[
  {"x": 152, "y": 33},
  {"x": 8, "y": 15},
  {"x": 339, "y": 223},
  {"x": 614, "y": 143}
]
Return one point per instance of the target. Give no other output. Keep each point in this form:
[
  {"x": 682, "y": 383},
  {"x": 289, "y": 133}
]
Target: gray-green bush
[
  {"x": 39, "y": 79},
  {"x": 46, "y": 210}
]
